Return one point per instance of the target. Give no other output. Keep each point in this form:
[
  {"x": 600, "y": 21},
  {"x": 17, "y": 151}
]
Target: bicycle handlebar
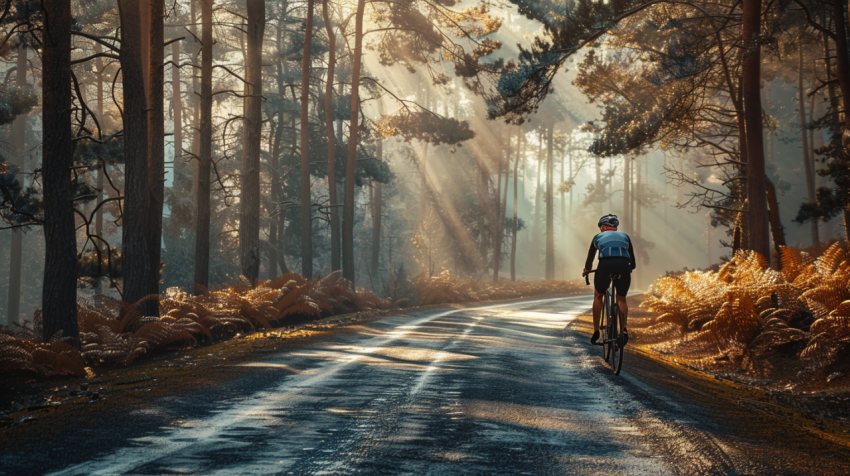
[{"x": 587, "y": 276}]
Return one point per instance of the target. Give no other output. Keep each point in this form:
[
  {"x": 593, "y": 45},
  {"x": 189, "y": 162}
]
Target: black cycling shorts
[{"x": 609, "y": 266}]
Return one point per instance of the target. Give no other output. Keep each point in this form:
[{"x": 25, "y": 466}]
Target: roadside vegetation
[
  {"x": 786, "y": 328},
  {"x": 115, "y": 333}
]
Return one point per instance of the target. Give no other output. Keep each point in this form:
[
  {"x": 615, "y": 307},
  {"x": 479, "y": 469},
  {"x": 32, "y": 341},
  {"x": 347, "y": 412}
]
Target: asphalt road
[{"x": 497, "y": 389}]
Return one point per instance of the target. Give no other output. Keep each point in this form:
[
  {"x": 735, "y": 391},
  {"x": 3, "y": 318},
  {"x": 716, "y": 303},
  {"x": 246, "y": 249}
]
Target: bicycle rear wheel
[
  {"x": 612, "y": 333},
  {"x": 617, "y": 352},
  {"x": 603, "y": 327}
]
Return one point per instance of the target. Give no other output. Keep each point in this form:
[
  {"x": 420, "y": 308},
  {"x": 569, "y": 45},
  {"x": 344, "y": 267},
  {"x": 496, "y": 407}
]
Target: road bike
[{"x": 609, "y": 325}]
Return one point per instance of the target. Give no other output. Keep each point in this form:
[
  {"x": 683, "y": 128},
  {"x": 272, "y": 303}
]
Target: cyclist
[{"x": 616, "y": 256}]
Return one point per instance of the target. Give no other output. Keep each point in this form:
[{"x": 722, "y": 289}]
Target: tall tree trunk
[
  {"x": 329, "y": 126},
  {"x": 776, "y": 229},
  {"x": 563, "y": 230},
  {"x": 835, "y": 124},
  {"x": 708, "y": 236},
  {"x": 516, "y": 206},
  {"x": 202, "y": 219},
  {"x": 276, "y": 193},
  {"x": 377, "y": 205},
  {"x": 597, "y": 202},
  {"x": 59, "y": 299},
  {"x": 843, "y": 75},
  {"x": 278, "y": 221},
  {"x": 195, "y": 99},
  {"x": 751, "y": 78},
  {"x": 550, "y": 206},
  {"x": 249, "y": 204},
  {"x": 627, "y": 193},
  {"x": 768, "y": 133},
  {"x": 572, "y": 178},
  {"x": 348, "y": 205},
  {"x": 306, "y": 201},
  {"x": 637, "y": 196},
  {"x": 156, "y": 146},
  {"x": 19, "y": 129},
  {"x": 136, "y": 255},
  {"x": 98, "y": 217},
  {"x": 274, "y": 149},
  {"x": 497, "y": 222},
  {"x": 538, "y": 198},
  {"x": 807, "y": 152},
  {"x": 177, "y": 110},
  {"x": 504, "y": 200},
  {"x": 842, "y": 68}
]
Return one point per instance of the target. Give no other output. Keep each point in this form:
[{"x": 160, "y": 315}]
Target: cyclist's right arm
[{"x": 632, "y": 254}]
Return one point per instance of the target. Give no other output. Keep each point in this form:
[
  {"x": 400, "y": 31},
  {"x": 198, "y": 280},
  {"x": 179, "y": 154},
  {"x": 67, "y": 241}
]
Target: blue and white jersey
[{"x": 612, "y": 244}]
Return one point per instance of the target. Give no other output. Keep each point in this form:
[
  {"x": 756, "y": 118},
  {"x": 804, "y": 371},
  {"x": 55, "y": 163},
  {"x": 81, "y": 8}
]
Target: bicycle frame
[{"x": 610, "y": 323}]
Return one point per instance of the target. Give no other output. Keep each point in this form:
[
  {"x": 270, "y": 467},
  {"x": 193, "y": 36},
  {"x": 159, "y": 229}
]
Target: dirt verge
[{"x": 825, "y": 414}]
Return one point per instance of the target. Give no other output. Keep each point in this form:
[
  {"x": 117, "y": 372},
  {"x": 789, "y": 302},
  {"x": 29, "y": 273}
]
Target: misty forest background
[{"x": 219, "y": 139}]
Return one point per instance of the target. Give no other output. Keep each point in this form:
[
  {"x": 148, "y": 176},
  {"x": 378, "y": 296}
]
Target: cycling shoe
[
  {"x": 595, "y": 338},
  {"x": 624, "y": 339}
]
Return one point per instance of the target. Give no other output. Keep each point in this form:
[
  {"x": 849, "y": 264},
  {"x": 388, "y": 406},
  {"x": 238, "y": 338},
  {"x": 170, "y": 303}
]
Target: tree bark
[
  {"x": 249, "y": 204},
  {"x": 627, "y": 193},
  {"x": 16, "y": 249},
  {"x": 504, "y": 199},
  {"x": 59, "y": 299},
  {"x": 306, "y": 201},
  {"x": 276, "y": 192},
  {"x": 751, "y": 78},
  {"x": 497, "y": 222},
  {"x": 377, "y": 205},
  {"x": 177, "y": 109},
  {"x": 550, "y": 205},
  {"x": 563, "y": 229},
  {"x": 514, "y": 223},
  {"x": 156, "y": 146},
  {"x": 202, "y": 201},
  {"x": 348, "y": 205},
  {"x": 708, "y": 236},
  {"x": 98, "y": 217},
  {"x": 136, "y": 259},
  {"x": 329, "y": 127},
  {"x": 776, "y": 229},
  {"x": 835, "y": 125},
  {"x": 195, "y": 100},
  {"x": 637, "y": 197},
  {"x": 807, "y": 151},
  {"x": 842, "y": 69},
  {"x": 843, "y": 75},
  {"x": 538, "y": 198},
  {"x": 516, "y": 206}
]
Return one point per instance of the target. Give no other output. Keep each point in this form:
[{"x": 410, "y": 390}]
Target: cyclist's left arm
[{"x": 591, "y": 253}]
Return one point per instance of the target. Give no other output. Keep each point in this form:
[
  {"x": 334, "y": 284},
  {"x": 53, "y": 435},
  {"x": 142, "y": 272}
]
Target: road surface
[{"x": 495, "y": 389}]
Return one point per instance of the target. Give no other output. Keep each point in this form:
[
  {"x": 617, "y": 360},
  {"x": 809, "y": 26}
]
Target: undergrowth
[
  {"x": 787, "y": 327},
  {"x": 113, "y": 332}
]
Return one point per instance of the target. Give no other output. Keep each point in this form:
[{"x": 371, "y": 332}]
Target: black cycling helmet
[{"x": 609, "y": 220}]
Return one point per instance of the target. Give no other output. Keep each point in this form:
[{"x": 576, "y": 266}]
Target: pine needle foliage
[{"x": 790, "y": 326}]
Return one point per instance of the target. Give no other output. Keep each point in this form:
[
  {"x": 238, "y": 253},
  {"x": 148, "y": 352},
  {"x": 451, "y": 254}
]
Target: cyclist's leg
[
  {"x": 623, "y": 283},
  {"x": 597, "y": 308},
  {"x": 600, "y": 285},
  {"x": 624, "y": 310}
]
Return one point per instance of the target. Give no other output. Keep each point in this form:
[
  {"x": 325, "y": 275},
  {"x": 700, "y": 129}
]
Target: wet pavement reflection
[{"x": 499, "y": 389}]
